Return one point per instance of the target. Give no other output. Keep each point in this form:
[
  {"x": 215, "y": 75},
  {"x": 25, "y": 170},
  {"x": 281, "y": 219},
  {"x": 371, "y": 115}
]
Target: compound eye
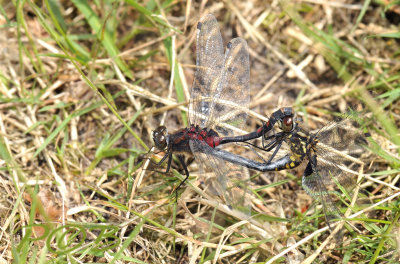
[
  {"x": 287, "y": 124},
  {"x": 160, "y": 137}
]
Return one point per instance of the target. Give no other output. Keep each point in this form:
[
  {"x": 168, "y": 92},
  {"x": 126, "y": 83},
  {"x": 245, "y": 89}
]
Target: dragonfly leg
[
  {"x": 167, "y": 155},
  {"x": 189, "y": 161},
  {"x": 169, "y": 161},
  {"x": 276, "y": 137},
  {"x": 271, "y": 145},
  {"x": 264, "y": 139},
  {"x": 278, "y": 146},
  {"x": 181, "y": 159}
]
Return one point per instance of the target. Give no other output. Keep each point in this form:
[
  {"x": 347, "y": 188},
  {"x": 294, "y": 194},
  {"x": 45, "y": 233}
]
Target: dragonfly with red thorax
[{"x": 220, "y": 98}]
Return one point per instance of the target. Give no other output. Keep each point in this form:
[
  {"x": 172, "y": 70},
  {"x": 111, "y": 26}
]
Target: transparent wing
[
  {"x": 209, "y": 63},
  {"x": 337, "y": 148},
  {"x": 230, "y": 182},
  {"x": 220, "y": 92},
  {"x": 231, "y": 91},
  {"x": 317, "y": 185},
  {"x": 344, "y": 135}
]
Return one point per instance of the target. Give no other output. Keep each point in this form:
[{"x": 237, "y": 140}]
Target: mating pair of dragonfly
[{"x": 219, "y": 100}]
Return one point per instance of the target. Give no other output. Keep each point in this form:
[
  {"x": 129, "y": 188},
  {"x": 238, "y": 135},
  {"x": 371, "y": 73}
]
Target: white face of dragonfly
[{"x": 160, "y": 137}]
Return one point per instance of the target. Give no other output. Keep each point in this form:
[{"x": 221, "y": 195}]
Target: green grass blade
[{"x": 102, "y": 34}]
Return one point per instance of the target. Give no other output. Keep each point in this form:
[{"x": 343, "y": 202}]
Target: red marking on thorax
[{"x": 195, "y": 133}]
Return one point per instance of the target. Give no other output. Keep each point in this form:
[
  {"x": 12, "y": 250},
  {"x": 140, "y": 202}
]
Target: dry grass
[{"x": 82, "y": 87}]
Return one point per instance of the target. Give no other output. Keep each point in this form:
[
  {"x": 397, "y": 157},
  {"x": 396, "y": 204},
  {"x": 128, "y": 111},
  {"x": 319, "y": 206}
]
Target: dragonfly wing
[
  {"x": 231, "y": 91},
  {"x": 337, "y": 170},
  {"x": 220, "y": 87},
  {"x": 340, "y": 146},
  {"x": 230, "y": 180},
  {"x": 318, "y": 187},
  {"x": 209, "y": 63},
  {"x": 344, "y": 135}
]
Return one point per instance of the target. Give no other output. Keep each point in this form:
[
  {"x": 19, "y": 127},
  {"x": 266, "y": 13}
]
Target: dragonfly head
[
  {"x": 287, "y": 124},
  {"x": 160, "y": 137}
]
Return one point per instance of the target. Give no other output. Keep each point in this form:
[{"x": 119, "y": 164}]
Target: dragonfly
[
  {"x": 332, "y": 155},
  {"x": 220, "y": 95}
]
